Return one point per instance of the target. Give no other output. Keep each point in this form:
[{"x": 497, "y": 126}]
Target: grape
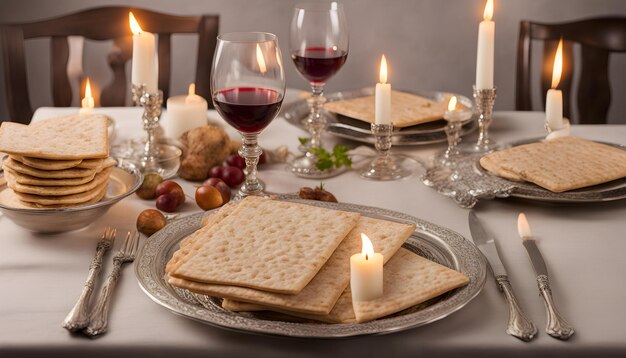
[
  {"x": 147, "y": 190},
  {"x": 212, "y": 181},
  {"x": 224, "y": 190},
  {"x": 167, "y": 202},
  {"x": 171, "y": 187},
  {"x": 235, "y": 161},
  {"x": 232, "y": 176},
  {"x": 208, "y": 197},
  {"x": 216, "y": 172}
]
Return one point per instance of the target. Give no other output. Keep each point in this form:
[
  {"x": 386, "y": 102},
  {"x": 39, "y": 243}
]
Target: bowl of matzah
[
  {"x": 283, "y": 267},
  {"x": 58, "y": 175}
]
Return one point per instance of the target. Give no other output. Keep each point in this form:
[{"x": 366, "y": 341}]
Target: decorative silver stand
[
  {"x": 151, "y": 103},
  {"x": 385, "y": 166},
  {"x": 304, "y": 165},
  {"x": 485, "y": 99}
]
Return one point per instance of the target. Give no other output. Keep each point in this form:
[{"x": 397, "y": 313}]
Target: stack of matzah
[
  {"x": 58, "y": 162},
  {"x": 559, "y": 165},
  {"x": 406, "y": 110},
  {"x": 295, "y": 259}
]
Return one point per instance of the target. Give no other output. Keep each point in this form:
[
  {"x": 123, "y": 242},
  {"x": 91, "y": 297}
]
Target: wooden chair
[
  {"x": 104, "y": 23},
  {"x": 598, "y": 38}
]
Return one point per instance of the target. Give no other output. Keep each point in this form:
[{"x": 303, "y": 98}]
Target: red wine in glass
[
  {"x": 248, "y": 109},
  {"x": 317, "y": 64}
]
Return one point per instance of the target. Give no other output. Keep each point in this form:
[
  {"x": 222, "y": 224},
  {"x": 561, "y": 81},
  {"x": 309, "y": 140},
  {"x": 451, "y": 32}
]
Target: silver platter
[
  {"x": 429, "y": 240},
  {"x": 350, "y": 128},
  {"x": 476, "y": 183}
]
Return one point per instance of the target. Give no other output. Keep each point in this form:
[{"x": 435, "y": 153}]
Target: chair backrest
[
  {"x": 104, "y": 23},
  {"x": 597, "y": 37}
]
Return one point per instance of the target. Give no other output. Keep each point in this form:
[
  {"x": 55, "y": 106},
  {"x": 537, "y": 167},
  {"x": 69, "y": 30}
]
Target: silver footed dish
[
  {"x": 434, "y": 242},
  {"x": 125, "y": 179},
  {"x": 349, "y": 128}
]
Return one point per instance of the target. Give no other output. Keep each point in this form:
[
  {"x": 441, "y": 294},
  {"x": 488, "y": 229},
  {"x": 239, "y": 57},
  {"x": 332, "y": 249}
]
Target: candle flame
[
  {"x": 452, "y": 104},
  {"x": 192, "y": 89},
  {"x": 558, "y": 65},
  {"x": 523, "y": 228},
  {"x": 88, "y": 89},
  {"x": 383, "y": 70},
  {"x": 134, "y": 25},
  {"x": 488, "y": 13},
  {"x": 367, "y": 248},
  {"x": 260, "y": 60}
]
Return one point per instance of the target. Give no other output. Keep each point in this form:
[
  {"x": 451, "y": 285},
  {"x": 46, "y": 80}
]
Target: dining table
[{"x": 583, "y": 244}]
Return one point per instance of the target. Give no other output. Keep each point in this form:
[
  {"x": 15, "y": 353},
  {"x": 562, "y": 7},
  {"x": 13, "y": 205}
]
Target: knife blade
[
  {"x": 556, "y": 326},
  {"x": 518, "y": 325}
]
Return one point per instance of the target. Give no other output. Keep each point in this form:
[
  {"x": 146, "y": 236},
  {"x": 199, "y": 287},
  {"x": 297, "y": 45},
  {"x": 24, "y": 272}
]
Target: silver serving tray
[
  {"x": 476, "y": 183},
  {"x": 429, "y": 240},
  {"x": 296, "y": 113}
]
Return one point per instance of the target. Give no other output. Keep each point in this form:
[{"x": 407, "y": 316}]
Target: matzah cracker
[
  {"x": 270, "y": 245},
  {"x": 320, "y": 295},
  {"x": 57, "y": 190},
  {"x": 406, "y": 109},
  {"x": 561, "y": 164},
  {"x": 68, "y": 137},
  {"x": 494, "y": 168},
  {"x": 55, "y": 174},
  {"x": 93, "y": 200},
  {"x": 208, "y": 222},
  {"x": 31, "y": 180},
  {"x": 64, "y": 199},
  {"x": 47, "y": 164},
  {"x": 408, "y": 280}
]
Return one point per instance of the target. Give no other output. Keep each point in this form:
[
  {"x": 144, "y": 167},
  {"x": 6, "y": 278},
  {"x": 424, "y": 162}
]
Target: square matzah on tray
[
  {"x": 269, "y": 245},
  {"x": 559, "y": 165}
]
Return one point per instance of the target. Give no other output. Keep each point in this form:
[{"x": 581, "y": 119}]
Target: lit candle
[
  {"x": 484, "y": 56},
  {"x": 383, "y": 96},
  {"x": 185, "y": 113},
  {"x": 554, "y": 98},
  {"x": 144, "y": 58},
  {"x": 87, "y": 103},
  {"x": 366, "y": 273}
]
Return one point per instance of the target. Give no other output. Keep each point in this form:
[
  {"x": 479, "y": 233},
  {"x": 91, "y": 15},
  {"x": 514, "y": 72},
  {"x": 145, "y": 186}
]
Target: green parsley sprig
[{"x": 338, "y": 158}]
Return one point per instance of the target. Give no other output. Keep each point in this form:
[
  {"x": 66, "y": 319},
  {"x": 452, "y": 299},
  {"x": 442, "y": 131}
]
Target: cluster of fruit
[{"x": 169, "y": 195}]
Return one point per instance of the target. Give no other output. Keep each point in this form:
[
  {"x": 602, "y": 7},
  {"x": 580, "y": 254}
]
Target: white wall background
[{"x": 430, "y": 44}]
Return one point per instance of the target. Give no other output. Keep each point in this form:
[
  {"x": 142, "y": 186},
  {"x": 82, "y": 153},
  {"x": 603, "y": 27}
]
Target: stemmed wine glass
[
  {"x": 247, "y": 89},
  {"x": 319, "y": 48}
]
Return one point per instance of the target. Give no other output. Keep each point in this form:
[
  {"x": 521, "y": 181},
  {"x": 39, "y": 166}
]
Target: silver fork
[
  {"x": 98, "y": 320},
  {"x": 78, "y": 317}
]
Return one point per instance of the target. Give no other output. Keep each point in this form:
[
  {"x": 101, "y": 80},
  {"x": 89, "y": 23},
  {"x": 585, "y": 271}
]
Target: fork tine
[
  {"x": 126, "y": 243},
  {"x": 135, "y": 243}
]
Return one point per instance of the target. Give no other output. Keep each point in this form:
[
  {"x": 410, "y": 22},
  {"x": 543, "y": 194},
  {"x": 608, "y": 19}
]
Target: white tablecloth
[{"x": 584, "y": 246}]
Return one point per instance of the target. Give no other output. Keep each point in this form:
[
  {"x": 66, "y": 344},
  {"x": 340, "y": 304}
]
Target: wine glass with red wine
[
  {"x": 247, "y": 89},
  {"x": 319, "y": 48}
]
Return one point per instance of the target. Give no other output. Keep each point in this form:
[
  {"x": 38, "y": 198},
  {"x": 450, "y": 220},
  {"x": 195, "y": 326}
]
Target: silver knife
[
  {"x": 556, "y": 326},
  {"x": 519, "y": 325}
]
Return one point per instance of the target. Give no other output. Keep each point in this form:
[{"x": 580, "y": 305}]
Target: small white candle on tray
[
  {"x": 87, "y": 103},
  {"x": 144, "y": 58},
  {"x": 554, "y": 97},
  {"x": 366, "y": 273},
  {"x": 485, "y": 50},
  {"x": 383, "y": 96},
  {"x": 185, "y": 113}
]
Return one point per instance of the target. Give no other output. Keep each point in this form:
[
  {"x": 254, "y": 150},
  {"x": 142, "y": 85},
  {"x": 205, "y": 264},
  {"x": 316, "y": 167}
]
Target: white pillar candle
[
  {"x": 87, "y": 103},
  {"x": 144, "y": 58},
  {"x": 554, "y": 97},
  {"x": 366, "y": 273},
  {"x": 383, "y": 96},
  {"x": 185, "y": 113},
  {"x": 485, "y": 50}
]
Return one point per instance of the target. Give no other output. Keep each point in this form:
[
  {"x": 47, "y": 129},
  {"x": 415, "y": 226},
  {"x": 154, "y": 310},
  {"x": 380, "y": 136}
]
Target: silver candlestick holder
[
  {"x": 484, "y": 99},
  {"x": 384, "y": 166},
  {"x": 152, "y": 104}
]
